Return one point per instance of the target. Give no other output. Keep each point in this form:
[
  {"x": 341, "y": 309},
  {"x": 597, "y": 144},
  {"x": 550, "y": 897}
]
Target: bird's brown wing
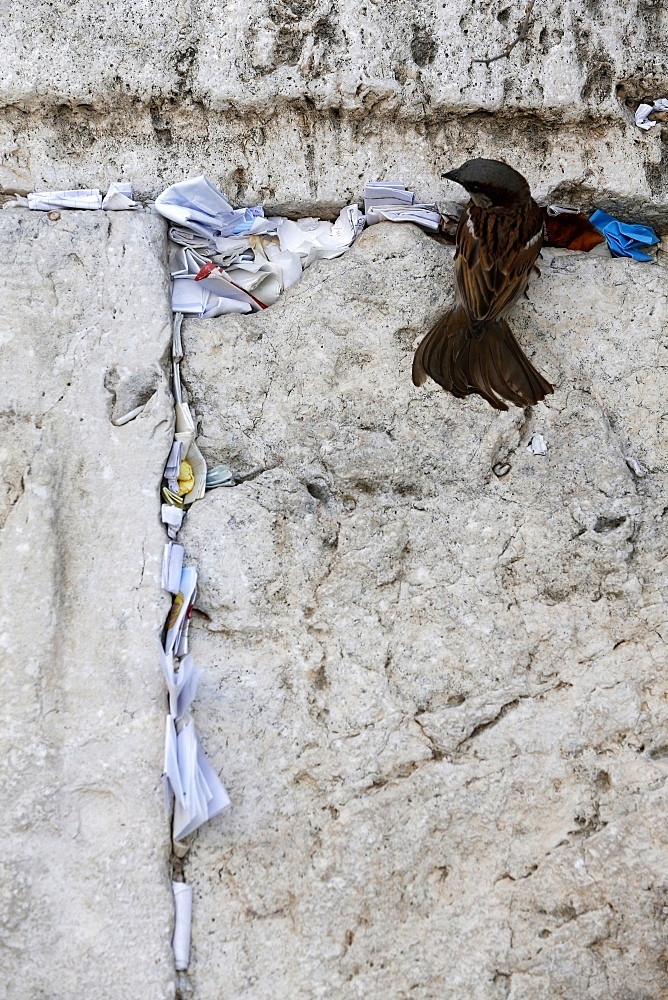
[{"x": 495, "y": 254}]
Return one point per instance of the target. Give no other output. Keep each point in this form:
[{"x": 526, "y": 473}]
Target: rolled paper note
[
  {"x": 186, "y": 478},
  {"x": 183, "y": 908}
]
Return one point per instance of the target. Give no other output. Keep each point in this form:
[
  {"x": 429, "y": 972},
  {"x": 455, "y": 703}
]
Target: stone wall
[
  {"x": 436, "y": 696},
  {"x": 296, "y": 104},
  {"x": 86, "y": 900}
]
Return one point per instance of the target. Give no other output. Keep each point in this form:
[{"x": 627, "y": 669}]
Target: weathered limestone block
[
  {"x": 297, "y": 102},
  {"x": 86, "y": 901},
  {"x": 435, "y": 695}
]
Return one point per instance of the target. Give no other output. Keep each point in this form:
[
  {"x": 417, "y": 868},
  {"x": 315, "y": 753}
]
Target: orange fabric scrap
[{"x": 571, "y": 230}]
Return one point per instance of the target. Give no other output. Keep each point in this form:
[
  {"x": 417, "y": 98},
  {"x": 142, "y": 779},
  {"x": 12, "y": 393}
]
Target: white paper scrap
[
  {"x": 185, "y": 237},
  {"x": 171, "y": 762},
  {"x": 198, "y": 299},
  {"x": 183, "y": 904},
  {"x": 199, "y": 206},
  {"x": 426, "y": 216},
  {"x": 260, "y": 277},
  {"x": 555, "y": 210},
  {"x": 184, "y": 426},
  {"x": 177, "y": 345},
  {"x": 119, "y": 198},
  {"x": 316, "y": 239},
  {"x": 182, "y": 678},
  {"x": 289, "y": 263},
  {"x": 219, "y": 475},
  {"x": 265, "y": 224},
  {"x": 204, "y": 793},
  {"x": 184, "y": 261},
  {"x": 181, "y": 648},
  {"x": 172, "y": 517},
  {"x": 220, "y": 285},
  {"x": 537, "y": 445},
  {"x": 389, "y": 201},
  {"x": 636, "y": 468},
  {"x": 230, "y": 248},
  {"x": 386, "y": 193},
  {"x": 349, "y": 224}
]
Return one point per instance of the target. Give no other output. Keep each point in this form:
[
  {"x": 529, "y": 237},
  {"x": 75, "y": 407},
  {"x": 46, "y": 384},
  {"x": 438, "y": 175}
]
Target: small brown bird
[{"x": 472, "y": 349}]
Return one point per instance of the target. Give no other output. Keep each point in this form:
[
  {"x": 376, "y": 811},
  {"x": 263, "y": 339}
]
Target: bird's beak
[{"x": 452, "y": 175}]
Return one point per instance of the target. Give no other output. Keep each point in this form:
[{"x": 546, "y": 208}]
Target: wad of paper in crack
[
  {"x": 237, "y": 260},
  {"x": 191, "y": 783}
]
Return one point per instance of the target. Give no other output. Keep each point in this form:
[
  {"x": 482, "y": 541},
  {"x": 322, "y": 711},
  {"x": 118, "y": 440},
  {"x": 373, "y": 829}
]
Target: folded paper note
[
  {"x": 426, "y": 216},
  {"x": 386, "y": 193},
  {"x": 182, "y": 679},
  {"x": 197, "y": 205},
  {"x": 644, "y": 110},
  {"x": 193, "y": 295},
  {"x": 177, "y": 346},
  {"x": 389, "y": 201},
  {"x": 216, "y": 281},
  {"x": 537, "y": 445},
  {"x": 172, "y": 517},
  {"x": 174, "y": 459},
  {"x": 181, "y": 609},
  {"x": 624, "y": 238},
  {"x": 185, "y": 433},
  {"x": 119, "y": 198},
  {"x": 199, "y": 793},
  {"x": 170, "y": 767}
]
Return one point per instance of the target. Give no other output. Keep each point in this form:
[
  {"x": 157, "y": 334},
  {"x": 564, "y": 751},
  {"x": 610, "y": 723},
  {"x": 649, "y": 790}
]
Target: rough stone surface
[
  {"x": 86, "y": 905},
  {"x": 436, "y": 696},
  {"x": 298, "y": 102}
]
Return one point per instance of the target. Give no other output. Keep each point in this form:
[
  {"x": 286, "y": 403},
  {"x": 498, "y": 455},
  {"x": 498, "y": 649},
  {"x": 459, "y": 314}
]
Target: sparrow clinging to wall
[{"x": 472, "y": 349}]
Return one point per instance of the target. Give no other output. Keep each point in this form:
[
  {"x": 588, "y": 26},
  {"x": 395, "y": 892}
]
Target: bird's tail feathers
[{"x": 486, "y": 360}]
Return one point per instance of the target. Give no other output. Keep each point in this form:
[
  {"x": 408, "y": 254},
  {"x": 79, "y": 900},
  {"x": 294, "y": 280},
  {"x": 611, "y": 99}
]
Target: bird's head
[{"x": 490, "y": 182}]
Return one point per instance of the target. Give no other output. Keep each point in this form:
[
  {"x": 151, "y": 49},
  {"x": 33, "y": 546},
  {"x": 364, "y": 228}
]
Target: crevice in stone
[
  {"x": 483, "y": 726},
  {"x": 249, "y": 477},
  {"x": 168, "y": 126}
]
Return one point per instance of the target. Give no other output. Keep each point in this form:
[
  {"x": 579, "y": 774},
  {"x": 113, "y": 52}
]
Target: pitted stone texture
[
  {"x": 435, "y": 695},
  {"x": 86, "y": 901},
  {"x": 297, "y": 103}
]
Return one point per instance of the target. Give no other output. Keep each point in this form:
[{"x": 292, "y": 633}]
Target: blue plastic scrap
[{"x": 624, "y": 238}]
